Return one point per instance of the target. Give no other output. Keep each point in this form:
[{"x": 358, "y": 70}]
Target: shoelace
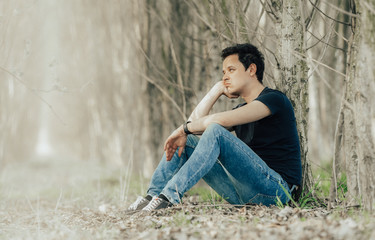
[
  {"x": 137, "y": 202},
  {"x": 153, "y": 204}
]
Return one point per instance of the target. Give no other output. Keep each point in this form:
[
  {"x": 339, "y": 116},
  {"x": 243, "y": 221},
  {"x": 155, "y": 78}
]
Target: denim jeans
[{"x": 226, "y": 164}]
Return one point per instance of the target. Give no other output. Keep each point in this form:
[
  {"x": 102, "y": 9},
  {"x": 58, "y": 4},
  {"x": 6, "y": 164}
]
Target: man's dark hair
[{"x": 247, "y": 54}]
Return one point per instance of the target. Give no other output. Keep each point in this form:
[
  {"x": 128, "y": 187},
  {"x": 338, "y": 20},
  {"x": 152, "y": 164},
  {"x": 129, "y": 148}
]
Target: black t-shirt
[{"x": 275, "y": 138}]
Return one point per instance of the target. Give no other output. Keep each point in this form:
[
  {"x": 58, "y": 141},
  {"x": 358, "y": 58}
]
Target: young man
[{"x": 254, "y": 167}]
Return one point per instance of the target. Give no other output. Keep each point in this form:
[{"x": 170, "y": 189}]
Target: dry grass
[{"x": 61, "y": 199}]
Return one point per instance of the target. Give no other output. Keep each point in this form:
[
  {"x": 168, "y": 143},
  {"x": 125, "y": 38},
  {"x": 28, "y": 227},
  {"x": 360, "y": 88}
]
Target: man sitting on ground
[{"x": 259, "y": 165}]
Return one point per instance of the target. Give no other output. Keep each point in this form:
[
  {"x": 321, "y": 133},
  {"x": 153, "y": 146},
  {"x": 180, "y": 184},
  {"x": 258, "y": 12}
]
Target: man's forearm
[
  {"x": 205, "y": 105},
  {"x": 251, "y": 112}
]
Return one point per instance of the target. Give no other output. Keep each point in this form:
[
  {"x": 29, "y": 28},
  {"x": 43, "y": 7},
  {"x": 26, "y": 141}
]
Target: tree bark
[
  {"x": 293, "y": 73},
  {"x": 359, "y": 145}
]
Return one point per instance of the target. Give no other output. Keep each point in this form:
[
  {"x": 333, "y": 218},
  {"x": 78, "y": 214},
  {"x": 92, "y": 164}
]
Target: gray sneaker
[
  {"x": 157, "y": 203},
  {"x": 138, "y": 205}
]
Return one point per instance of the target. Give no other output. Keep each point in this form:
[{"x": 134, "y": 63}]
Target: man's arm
[
  {"x": 205, "y": 105},
  {"x": 178, "y": 137},
  {"x": 251, "y": 112}
]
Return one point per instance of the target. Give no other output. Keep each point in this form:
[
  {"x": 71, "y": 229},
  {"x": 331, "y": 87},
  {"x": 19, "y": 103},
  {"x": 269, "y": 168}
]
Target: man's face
[{"x": 235, "y": 75}]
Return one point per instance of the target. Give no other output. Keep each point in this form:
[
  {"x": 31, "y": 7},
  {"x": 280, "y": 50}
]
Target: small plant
[
  {"x": 309, "y": 200},
  {"x": 279, "y": 203},
  {"x": 305, "y": 201},
  {"x": 206, "y": 195},
  {"x": 320, "y": 190},
  {"x": 180, "y": 219},
  {"x": 242, "y": 219}
]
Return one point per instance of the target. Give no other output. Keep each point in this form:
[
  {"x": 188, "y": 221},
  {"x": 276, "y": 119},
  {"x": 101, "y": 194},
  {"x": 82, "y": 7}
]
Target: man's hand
[
  {"x": 226, "y": 93},
  {"x": 176, "y": 140},
  {"x": 221, "y": 85}
]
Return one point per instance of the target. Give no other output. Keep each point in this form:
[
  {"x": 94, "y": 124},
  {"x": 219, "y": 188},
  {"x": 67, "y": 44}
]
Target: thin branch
[
  {"x": 163, "y": 92},
  {"x": 157, "y": 70},
  {"x": 304, "y": 56},
  {"x": 194, "y": 7},
  {"x": 179, "y": 77},
  {"x": 340, "y": 10},
  {"x": 344, "y": 23},
  {"x": 331, "y": 29},
  {"x": 319, "y": 39},
  {"x": 337, "y": 150},
  {"x": 317, "y": 42},
  {"x": 34, "y": 93},
  {"x": 246, "y": 6},
  {"x": 336, "y": 33},
  {"x": 369, "y": 7},
  {"x": 271, "y": 12},
  {"x": 274, "y": 55},
  {"x": 323, "y": 52},
  {"x": 161, "y": 21},
  {"x": 259, "y": 19},
  {"x": 332, "y": 89},
  {"x": 309, "y": 19}
]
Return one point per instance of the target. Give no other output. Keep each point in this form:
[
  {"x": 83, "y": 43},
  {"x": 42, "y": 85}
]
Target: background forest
[{"x": 103, "y": 83}]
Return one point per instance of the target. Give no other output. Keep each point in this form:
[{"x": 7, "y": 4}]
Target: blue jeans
[{"x": 226, "y": 164}]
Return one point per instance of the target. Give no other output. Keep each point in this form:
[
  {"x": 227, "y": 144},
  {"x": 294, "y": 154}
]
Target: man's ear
[{"x": 252, "y": 69}]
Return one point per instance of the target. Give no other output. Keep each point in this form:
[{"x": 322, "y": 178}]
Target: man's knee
[
  {"x": 192, "y": 140},
  {"x": 213, "y": 127}
]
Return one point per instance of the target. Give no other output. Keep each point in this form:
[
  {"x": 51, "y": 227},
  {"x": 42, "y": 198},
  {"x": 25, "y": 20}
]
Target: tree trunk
[
  {"x": 293, "y": 73},
  {"x": 358, "y": 143}
]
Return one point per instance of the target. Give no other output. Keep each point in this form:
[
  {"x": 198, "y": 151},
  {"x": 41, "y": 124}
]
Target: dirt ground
[
  {"x": 68, "y": 200},
  {"x": 253, "y": 222}
]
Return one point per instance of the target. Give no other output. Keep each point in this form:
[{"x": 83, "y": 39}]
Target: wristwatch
[{"x": 186, "y": 130}]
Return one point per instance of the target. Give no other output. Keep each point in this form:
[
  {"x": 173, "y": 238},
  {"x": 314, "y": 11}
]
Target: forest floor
[{"x": 59, "y": 199}]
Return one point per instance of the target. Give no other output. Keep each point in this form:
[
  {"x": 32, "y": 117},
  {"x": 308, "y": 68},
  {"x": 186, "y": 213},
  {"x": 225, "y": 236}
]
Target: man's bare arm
[
  {"x": 178, "y": 138},
  {"x": 205, "y": 105},
  {"x": 251, "y": 112}
]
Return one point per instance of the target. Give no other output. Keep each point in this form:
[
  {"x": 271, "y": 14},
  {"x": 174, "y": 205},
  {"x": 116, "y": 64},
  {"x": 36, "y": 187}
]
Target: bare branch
[
  {"x": 179, "y": 77},
  {"x": 164, "y": 92},
  {"x": 195, "y": 7},
  {"x": 246, "y": 6},
  {"x": 35, "y": 94},
  {"x": 339, "y": 9},
  {"x": 157, "y": 70},
  {"x": 336, "y": 157},
  {"x": 259, "y": 18},
  {"x": 344, "y": 23},
  {"x": 271, "y": 12},
  {"x": 299, "y": 55},
  {"x": 322, "y": 54},
  {"x": 309, "y": 19},
  {"x": 320, "y": 39},
  {"x": 369, "y": 7}
]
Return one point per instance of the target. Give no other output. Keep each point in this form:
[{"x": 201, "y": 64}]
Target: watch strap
[{"x": 186, "y": 130}]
